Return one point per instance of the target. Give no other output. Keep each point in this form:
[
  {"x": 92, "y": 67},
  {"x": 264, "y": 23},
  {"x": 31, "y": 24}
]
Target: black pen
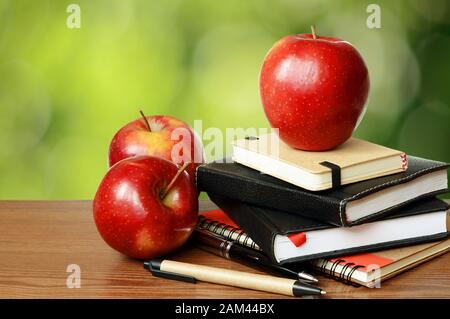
[{"x": 231, "y": 250}]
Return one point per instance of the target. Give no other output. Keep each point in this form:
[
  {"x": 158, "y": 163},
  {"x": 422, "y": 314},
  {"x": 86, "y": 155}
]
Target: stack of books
[{"x": 347, "y": 212}]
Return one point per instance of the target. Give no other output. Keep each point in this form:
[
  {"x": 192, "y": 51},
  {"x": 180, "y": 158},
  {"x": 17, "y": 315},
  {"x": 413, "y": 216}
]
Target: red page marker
[{"x": 297, "y": 239}]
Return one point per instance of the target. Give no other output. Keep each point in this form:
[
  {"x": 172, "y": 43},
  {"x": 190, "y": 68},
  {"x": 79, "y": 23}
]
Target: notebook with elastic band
[{"x": 347, "y": 205}]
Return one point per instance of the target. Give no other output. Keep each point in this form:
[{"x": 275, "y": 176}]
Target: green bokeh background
[{"x": 65, "y": 92}]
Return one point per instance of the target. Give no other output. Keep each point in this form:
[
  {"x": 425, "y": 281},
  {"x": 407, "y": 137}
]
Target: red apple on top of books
[
  {"x": 158, "y": 135},
  {"x": 313, "y": 89},
  {"x": 146, "y": 207}
]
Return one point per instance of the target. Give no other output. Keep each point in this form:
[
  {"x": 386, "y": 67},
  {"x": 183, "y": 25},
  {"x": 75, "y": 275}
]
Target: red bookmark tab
[{"x": 297, "y": 239}]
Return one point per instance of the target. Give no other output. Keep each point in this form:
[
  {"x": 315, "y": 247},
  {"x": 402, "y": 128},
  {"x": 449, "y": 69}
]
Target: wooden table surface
[{"x": 39, "y": 239}]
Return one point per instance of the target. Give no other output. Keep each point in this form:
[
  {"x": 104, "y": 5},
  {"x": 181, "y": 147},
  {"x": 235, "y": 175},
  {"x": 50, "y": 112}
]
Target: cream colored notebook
[{"x": 358, "y": 160}]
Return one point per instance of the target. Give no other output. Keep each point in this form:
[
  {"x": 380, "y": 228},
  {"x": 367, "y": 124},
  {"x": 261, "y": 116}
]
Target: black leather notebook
[
  {"x": 347, "y": 205},
  {"x": 291, "y": 238}
]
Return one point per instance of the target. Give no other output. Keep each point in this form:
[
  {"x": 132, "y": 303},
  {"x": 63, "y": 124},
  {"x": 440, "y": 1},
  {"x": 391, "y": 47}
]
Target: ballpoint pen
[
  {"x": 187, "y": 272},
  {"x": 231, "y": 250}
]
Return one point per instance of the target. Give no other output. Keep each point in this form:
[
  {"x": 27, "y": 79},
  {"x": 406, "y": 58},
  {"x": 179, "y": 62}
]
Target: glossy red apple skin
[
  {"x": 313, "y": 90},
  {"x": 132, "y": 218},
  {"x": 134, "y": 139}
]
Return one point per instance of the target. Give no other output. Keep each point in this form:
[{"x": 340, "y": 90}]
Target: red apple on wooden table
[
  {"x": 159, "y": 135},
  {"x": 313, "y": 89},
  {"x": 146, "y": 207}
]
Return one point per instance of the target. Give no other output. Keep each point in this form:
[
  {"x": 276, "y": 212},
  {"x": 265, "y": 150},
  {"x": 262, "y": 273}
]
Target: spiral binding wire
[
  {"x": 346, "y": 273},
  {"x": 221, "y": 229}
]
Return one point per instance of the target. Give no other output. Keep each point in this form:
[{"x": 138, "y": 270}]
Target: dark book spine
[
  {"x": 251, "y": 191},
  {"x": 255, "y": 225}
]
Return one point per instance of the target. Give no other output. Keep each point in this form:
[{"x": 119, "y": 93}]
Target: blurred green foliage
[{"x": 65, "y": 92}]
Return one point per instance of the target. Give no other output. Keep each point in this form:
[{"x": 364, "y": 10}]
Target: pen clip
[{"x": 154, "y": 266}]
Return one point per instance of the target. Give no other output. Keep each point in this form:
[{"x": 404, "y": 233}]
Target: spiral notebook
[
  {"x": 219, "y": 223},
  {"x": 372, "y": 268},
  {"x": 367, "y": 269}
]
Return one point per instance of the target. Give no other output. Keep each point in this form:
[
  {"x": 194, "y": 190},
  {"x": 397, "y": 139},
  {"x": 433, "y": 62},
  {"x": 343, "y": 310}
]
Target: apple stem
[
  {"x": 145, "y": 120},
  {"x": 313, "y": 31},
  {"x": 174, "y": 179}
]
